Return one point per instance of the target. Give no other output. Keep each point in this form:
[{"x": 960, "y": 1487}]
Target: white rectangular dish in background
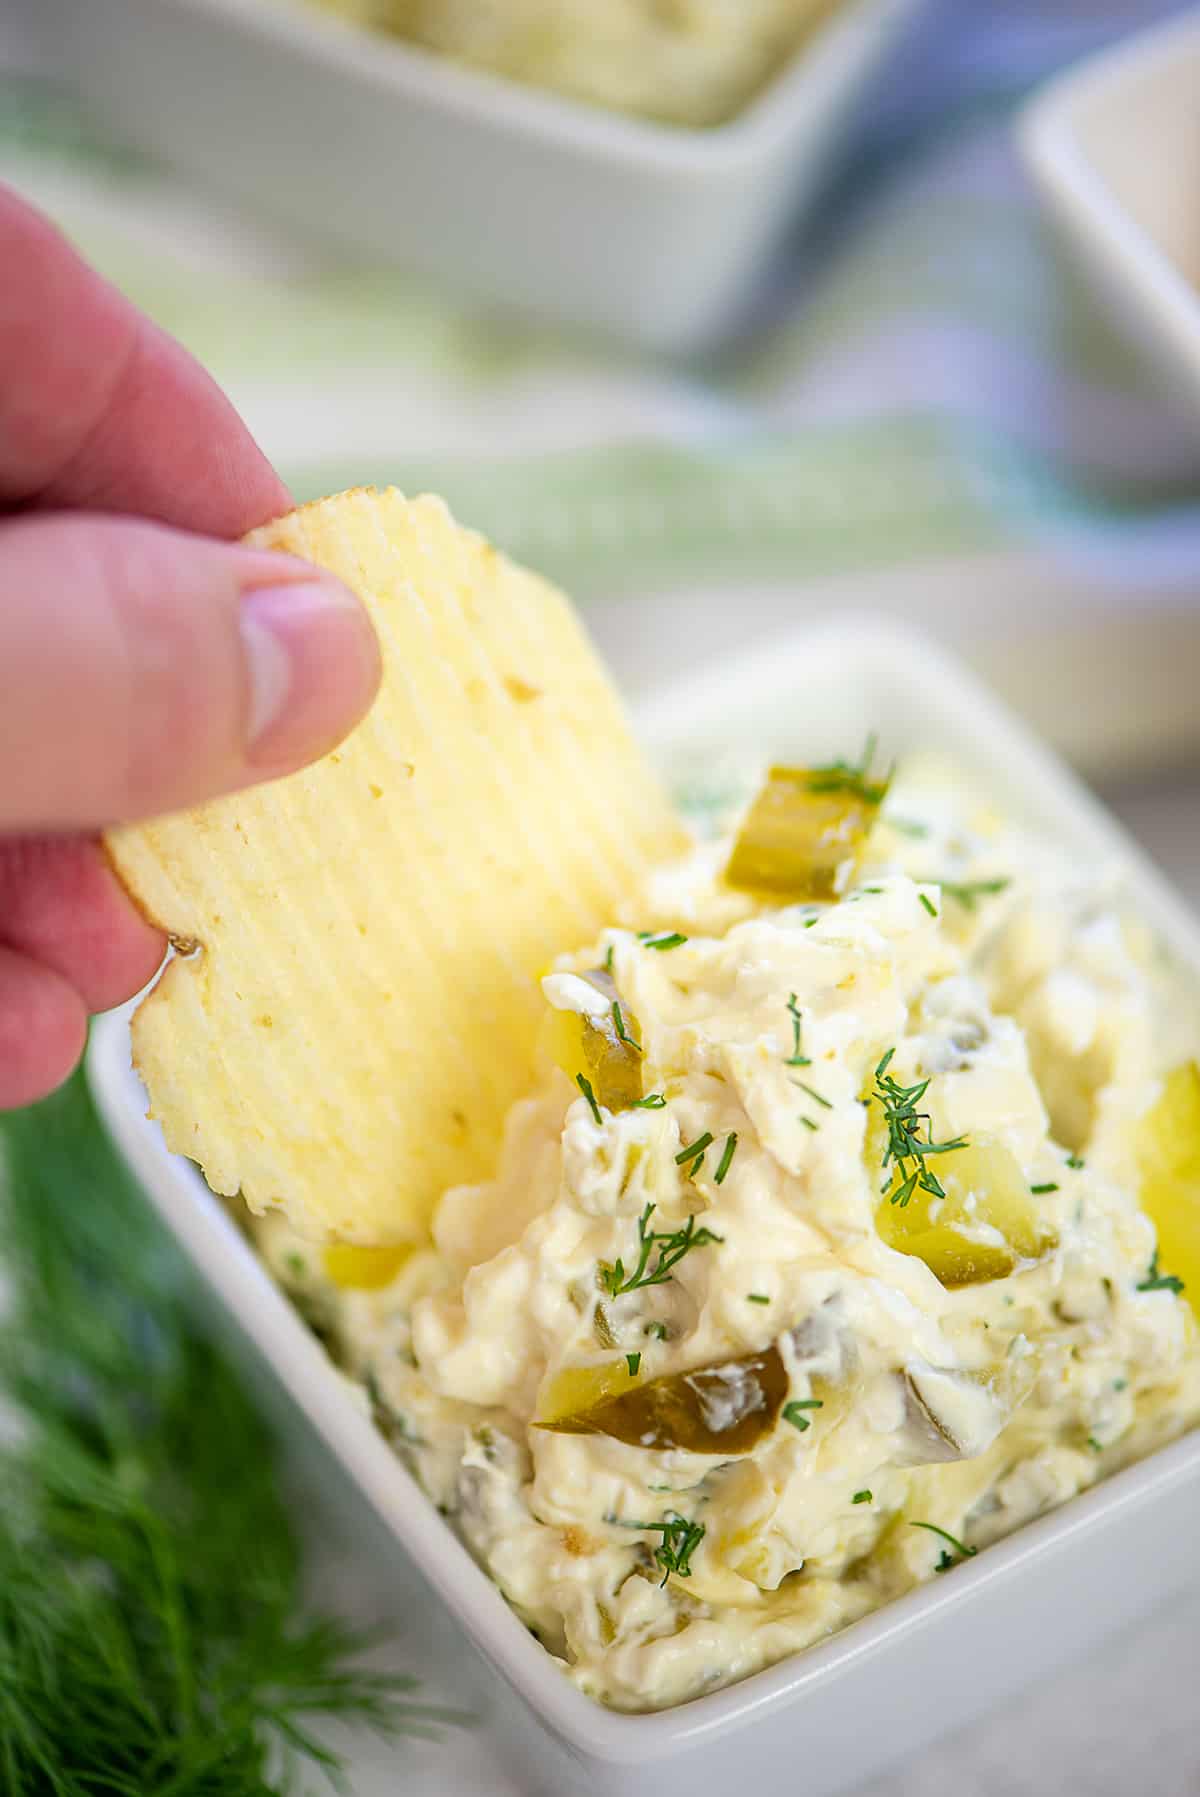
[
  {"x": 1114, "y": 147},
  {"x": 558, "y": 209},
  {"x": 935, "y": 1658}
]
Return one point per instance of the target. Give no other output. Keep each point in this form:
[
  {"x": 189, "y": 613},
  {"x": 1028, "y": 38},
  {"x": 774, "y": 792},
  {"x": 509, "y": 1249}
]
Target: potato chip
[{"x": 362, "y": 1004}]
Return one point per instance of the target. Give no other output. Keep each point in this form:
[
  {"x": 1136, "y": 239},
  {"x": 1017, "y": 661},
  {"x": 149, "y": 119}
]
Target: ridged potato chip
[{"x": 362, "y": 1004}]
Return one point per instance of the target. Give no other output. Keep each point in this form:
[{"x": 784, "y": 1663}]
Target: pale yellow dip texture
[{"x": 1044, "y": 1018}]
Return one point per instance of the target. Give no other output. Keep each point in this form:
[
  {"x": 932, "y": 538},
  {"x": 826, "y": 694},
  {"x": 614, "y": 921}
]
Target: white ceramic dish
[
  {"x": 539, "y": 203},
  {"x": 938, "y": 1656},
  {"x": 1114, "y": 147}
]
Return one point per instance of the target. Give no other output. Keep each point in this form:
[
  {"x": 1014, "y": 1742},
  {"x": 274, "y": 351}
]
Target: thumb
[{"x": 143, "y": 670}]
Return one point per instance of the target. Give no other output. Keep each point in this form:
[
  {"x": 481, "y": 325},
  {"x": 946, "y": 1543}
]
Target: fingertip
[
  {"x": 43, "y": 1030},
  {"x": 62, "y": 906}
]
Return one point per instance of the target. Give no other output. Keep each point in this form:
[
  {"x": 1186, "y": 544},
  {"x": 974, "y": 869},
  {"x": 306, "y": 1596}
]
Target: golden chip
[{"x": 362, "y": 1005}]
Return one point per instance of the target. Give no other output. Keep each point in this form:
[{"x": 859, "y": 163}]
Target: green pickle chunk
[
  {"x": 725, "y": 1408},
  {"x": 800, "y": 830},
  {"x": 605, "y": 1048}
]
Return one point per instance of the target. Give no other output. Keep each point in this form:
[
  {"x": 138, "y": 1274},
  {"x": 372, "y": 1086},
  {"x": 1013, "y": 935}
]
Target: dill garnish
[
  {"x": 1074, "y": 1161},
  {"x": 672, "y": 939},
  {"x": 966, "y": 892},
  {"x": 862, "y": 1497},
  {"x": 1039, "y": 1191},
  {"x": 585, "y": 1086},
  {"x": 608, "y": 959},
  {"x": 633, "y": 1362},
  {"x": 653, "y": 1101},
  {"x": 757, "y": 1298},
  {"x": 808, "y": 1123},
  {"x": 680, "y": 1539},
  {"x": 905, "y": 1151},
  {"x": 796, "y": 1059},
  {"x": 695, "y": 1151},
  {"x": 813, "y": 1094},
  {"x": 155, "y": 1634},
  {"x": 793, "y": 1412},
  {"x": 619, "y": 1026},
  {"x": 726, "y": 1160},
  {"x": 672, "y": 1245},
  {"x": 928, "y": 903},
  {"x": 852, "y": 777},
  {"x": 1159, "y": 1282},
  {"x": 961, "y": 1550}
]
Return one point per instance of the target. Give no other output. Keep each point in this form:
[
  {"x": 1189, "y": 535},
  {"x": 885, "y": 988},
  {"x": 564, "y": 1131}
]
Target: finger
[
  {"x": 99, "y": 409},
  {"x": 142, "y": 670},
  {"x": 43, "y": 1027},
  {"x": 62, "y": 906}
]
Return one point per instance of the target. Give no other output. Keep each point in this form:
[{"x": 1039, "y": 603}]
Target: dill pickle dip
[{"x": 822, "y": 1255}]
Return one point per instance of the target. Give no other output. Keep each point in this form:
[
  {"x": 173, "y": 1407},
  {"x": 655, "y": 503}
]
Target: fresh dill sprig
[
  {"x": 793, "y": 1412},
  {"x": 726, "y": 1160},
  {"x": 690, "y": 1156},
  {"x": 154, "y": 1631},
  {"x": 852, "y": 777},
  {"x": 796, "y": 1059},
  {"x": 1159, "y": 1282},
  {"x": 967, "y": 892},
  {"x": 961, "y": 1550},
  {"x": 680, "y": 1539},
  {"x": 585, "y": 1086},
  {"x": 619, "y": 1026},
  {"x": 905, "y": 1151},
  {"x": 671, "y": 1244}
]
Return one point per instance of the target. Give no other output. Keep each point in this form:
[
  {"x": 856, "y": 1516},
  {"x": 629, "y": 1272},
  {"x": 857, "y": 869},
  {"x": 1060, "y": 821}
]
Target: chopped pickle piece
[
  {"x": 799, "y": 831},
  {"x": 725, "y": 1408},
  {"x": 1168, "y": 1153},
  {"x": 983, "y": 1185},
  {"x": 363, "y": 1269},
  {"x": 578, "y": 1389},
  {"x": 605, "y": 1047}
]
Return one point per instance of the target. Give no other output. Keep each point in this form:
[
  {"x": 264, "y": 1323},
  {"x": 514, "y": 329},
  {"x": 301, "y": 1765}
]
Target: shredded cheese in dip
[{"x": 826, "y": 1404}]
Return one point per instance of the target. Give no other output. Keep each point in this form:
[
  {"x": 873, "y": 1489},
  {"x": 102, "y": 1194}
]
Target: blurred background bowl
[{"x": 560, "y": 210}]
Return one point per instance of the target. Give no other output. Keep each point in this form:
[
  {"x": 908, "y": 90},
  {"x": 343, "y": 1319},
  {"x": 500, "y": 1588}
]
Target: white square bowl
[
  {"x": 1114, "y": 148},
  {"x": 933, "y": 1659},
  {"x": 558, "y": 209}
]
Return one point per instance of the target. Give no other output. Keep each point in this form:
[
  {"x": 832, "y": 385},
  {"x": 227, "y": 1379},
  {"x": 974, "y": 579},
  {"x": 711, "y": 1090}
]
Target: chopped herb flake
[
  {"x": 966, "y": 892},
  {"x": 1074, "y": 1161},
  {"x": 961, "y": 1550},
  {"x": 809, "y": 1124},
  {"x": 793, "y": 1413},
  {"x": 672, "y": 940},
  {"x": 619, "y": 1026},
  {"x": 796, "y": 1059},
  {"x": 680, "y": 1539},
  {"x": 695, "y": 1150},
  {"x": 862, "y": 1497},
  {"x": 1038, "y": 1191},
  {"x": 1097, "y": 1447},
  {"x": 633, "y": 1362},
  {"x": 852, "y": 777},
  {"x": 657, "y": 1330},
  {"x": 585, "y": 1086},
  {"x": 726, "y": 1160},
  {"x": 813, "y": 1094},
  {"x": 928, "y": 903},
  {"x": 1159, "y": 1282},
  {"x": 654, "y": 1101},
  {"x": 757, "y": 1298}
]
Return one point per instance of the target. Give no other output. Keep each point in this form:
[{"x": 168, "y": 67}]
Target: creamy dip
[{"x": 702, "y": 1378}]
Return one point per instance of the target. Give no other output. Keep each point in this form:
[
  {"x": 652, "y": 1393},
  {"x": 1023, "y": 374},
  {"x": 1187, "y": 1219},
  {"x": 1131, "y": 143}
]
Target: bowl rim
[
  {"x": 1055, "y": 153},
  {"x": 258, "y": 1306},
  {"x": 476, "y": 96}
]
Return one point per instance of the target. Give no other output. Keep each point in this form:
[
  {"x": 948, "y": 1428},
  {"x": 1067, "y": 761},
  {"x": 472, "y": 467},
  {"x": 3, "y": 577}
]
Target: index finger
[{"x": 101, "y": 410}]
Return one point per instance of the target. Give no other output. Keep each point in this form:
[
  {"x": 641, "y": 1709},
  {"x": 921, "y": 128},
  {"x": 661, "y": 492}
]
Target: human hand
[{"x": 146, "y": 663}]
